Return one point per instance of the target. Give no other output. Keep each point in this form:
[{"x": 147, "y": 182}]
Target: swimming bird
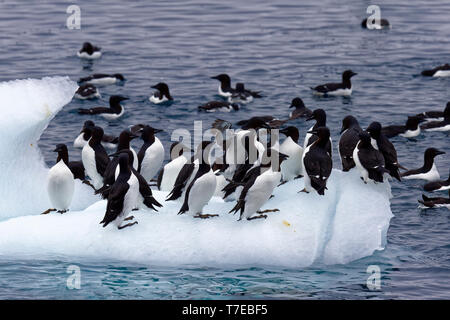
[
  {"x": 439, "y": 71},
  {"x": 168, "y": 174},
  {"x": 94, "y": 157},
  {"x": 443, "y": 125},
  {"x": 409, "y": 130},
  {"x": 114, "y": 111},
  {"x": 225, "y": 89},
  {"x": 151, "y": 154},
  {"x": 438, "y": 185},
  {"x": 383, "y": 24},
  {"x": 89, "y": 51},
  {"x": 76, "y": 167},
  {"x": 381, "y": 143},
  {"x": 87, "y": 91},
  {"x": 109, "y": 142},
  {"x": 201, "y": 189},
  {"x": 349, "y": 139},
  {"x": 317, "y": 162},
  {"x": 102, "y": 79},
  {"x": 259, "y": 187},
  {"x": 300, "y": 110},
  {"x": 434, "y": 115},
  {"x": 321, "y": 121},
  {"x": 368, "y": 160},
  {"x": 240, "y": 95},
  {"x": 162, "y": 94},
  {"x": 218, "y": 106},
  {"x": 428, "y": 171},
  {"x": 60, "y": 184},
  {"x": 343, "y": 88},
  {"x": 122, "y": 197},
  {"x": 291, "y": 168},
  {"x": 436, "y": 202}
]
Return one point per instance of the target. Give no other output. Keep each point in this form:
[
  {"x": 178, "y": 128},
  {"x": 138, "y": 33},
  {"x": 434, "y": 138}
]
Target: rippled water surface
[{"x": 282, "y": 49}]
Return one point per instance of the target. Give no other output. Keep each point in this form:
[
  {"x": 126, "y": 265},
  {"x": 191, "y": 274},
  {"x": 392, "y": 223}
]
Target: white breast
[
  {"x": 431, "y": 175},
  {"x": 88, "y": 159},
  {"x": 153, "y": 160},
  {"x": 130, "y": 200},
  {"x": 201, "y": 192},
  {"x": 362, "y": 171},
  {"x": 292, "y": 166},
  {"x": 79, "y": 141},
  {"x": 341, "y": 92},
  {"x": 60, "y": 186},
  {"x": 157, "y": 100},
  {"x": 411, "y": 133},
  {"x": 103, "y": 81},
  {"x": 171, "y": 171},
  {"x": 85, "y": 55},
  {"x": 224, "y": 94},
  {"x": 113, "y": 116},
  {"x": 443, "y": 128},
  {"x": 442, "y": 73}
]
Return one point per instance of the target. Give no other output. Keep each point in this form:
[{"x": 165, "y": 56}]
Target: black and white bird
[
  {"x": 291, "y": 168},
  {"x": 225, "y": 89},
  {"x": 240, "y": 95},
  {"x": 202, "y": 187},
  {"x": 218, "y": 106},
  {"x": 87, "y": 91},
  {"x": 259, "y": 187},
  {"x": 102, "y": 79},
  {"x": 369, "y": 161},
  {"x": 115, "y": 110},
  {"x": 162, "y": 94},
  {"x": 439, "y": 71},
  {"x": 151, "y": 154},
  {"x": 168, "y": 174},
  {"x": 109, "y": 142},
  {"x": 94, "y": 157},
  {"x": 411, "y": 128},
  {"x": 321, "y": 121},
  {"x": 428, "y": 171},
  {"x": 381, "y": 143},
  {"x": 443, "y": 125},
  {"x": 60, "y": 184},
  {"x": 349, "y": 139},
  {"x": 300, "y": 110},
  {"x": 435, "y": 115},
  {"x": 317, "y": 162},
  {"x": 122, "y": 197},
  {"x": 438, "y": 185},
  {"x": 343, "y": 88},
  {"x": 376, "y": 25},
  {"x": 437, "y": 202},
  {"x": 76, "y": 167},
  {"x": 89, "y": 51}
]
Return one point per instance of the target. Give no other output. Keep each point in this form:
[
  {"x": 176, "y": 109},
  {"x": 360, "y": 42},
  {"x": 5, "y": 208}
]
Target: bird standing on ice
[
  {"x": 122, "y": 197},
  {"x": 94, "y": 157},
  {"x": 60, "y": 185},
  {"x": 291, "y": 168},
  {"x": 168, "y": 174},
  {"x": 349, "y": 138},
  {"x": 109, "y": 142},
  {"x": 151, "y": 155}
]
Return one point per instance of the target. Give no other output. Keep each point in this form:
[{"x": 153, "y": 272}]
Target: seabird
[
  {"x": 94, "y": 157},
  {"x": 76, "y": 167},
  {"x": 349, "y": 138},
  {"x": 151, "y": 154},
  {"x": 300, "y": 110},
  {"x": 440, "y": 71},
  {"x": 435, "y": 202},
  {"x": 168, "y": 174},
  {"x": 240, "y": 95},
  {"x": 343, "y": 88},
  {"x": 109, "y": 142},
  {"x": 438, "y": 185},
  {"x": 321, "y": 121},
  {"x": 383, "y": 24},
  {"x": 218, "y": 106},
  {"x": 162, "y": 94},
  {"x": 89, "y": 51},
  {"x": 443, "y": 125},
  {"x": 114, "y": 111},
  {"x": 291, "y": 168},
  {"x": 434, "y": 115},
  {"x": 87, "y": 91},
  {"x": 225, "y": 89},
  {"x": 428, "y": 171},
  {"x": 409, "y": 130},
  {"x": 102, "y": 79}
]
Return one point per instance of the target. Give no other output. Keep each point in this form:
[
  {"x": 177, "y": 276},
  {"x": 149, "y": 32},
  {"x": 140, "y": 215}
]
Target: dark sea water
[{"x": 282, "y": 49}]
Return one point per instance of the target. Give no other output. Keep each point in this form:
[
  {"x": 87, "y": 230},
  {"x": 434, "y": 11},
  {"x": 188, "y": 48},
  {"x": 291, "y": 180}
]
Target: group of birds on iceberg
[{"x": 244, "y": 165}]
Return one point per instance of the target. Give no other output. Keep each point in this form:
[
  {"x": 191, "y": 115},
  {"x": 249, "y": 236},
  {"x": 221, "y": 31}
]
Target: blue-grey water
[{"x": 280, "y": 48}]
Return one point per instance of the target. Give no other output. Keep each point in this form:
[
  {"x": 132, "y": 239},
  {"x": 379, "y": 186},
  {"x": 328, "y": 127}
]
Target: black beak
[
  {"x": 157, "y": 130},
  {"x": 154, "y": 87},
  {"x": 310, "y": 118},
  {"x": 354, "y": 74},
  {"x": 312, "y": 132},
  {"x": 440, "y": 152},
  {"x": 56, "y": 150},
  {"x": 291, "y": 106},
  {"x": 124, "y": 98},
  {"x": 215, "y": 77}
]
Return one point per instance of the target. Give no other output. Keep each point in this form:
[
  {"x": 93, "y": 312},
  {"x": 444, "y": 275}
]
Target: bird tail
[{"x": 256, "y": 94}]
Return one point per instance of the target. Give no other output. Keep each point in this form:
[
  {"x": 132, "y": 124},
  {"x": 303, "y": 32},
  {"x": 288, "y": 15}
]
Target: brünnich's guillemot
[
  {"x": 369, "y": 161},
  {"x": 259, "y": 187},
  {"x": 76, "y": 167},
  {"x": 122, "y": 197},
  {"x": 321, "y": 121},
  {"x": 162, "y": 94},
  {"x": 434, "y": 115},
  {"x": 436, "y": 202},
  {"x": 168, "y": 174},
  {"x": 225, "y": 89},
  {"x": 343, "y": 88},
  {"x": 114, "y": 111},
  {"x": 94, "y": 157},
  {"x": 409, "y": 130},
  {"x": 109, "y": 142},
  {"x": 376, "y": 25},
  {"x": 102, "y": 79},
  {"x": 440, "y": 71},
  {"x": 89, "y": 51},
  {"x": 151, "y": 154},
  {"x": 438, "y": 185},
  {"x": 317, "y": 162},
  {"x": 349, "y": 138},
  {"x": 60, "y": 185},
  {"x": 202, "y": 187},
  {"x": 291, "y": 168},
  {"x": 428, "y": 171},
  {"x": 240, "y": 95},
  {"x": 218, "y": 106},
  {"x": 443, "y": 125},
  {"x": 300, "y": 110},
  {"x": 381, "y": 143},
  {"x": 87, "y": 91}
]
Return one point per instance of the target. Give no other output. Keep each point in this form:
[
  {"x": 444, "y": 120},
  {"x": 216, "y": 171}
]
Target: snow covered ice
[{"x": 348, "y": 223}]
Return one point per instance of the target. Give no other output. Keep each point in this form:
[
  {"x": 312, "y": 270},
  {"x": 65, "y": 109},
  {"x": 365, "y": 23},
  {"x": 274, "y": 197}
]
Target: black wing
[
  {"x": 324, "y": 88},
  {"x": 392, "y": 131},
  {"x": 115, "y": 202},
  {"x": 240, "y": 205},
  {"x": 434, "y": 124},
  {"x": 318, "y": 165},
  {"x": 373, "y": 161},
  {"x": 97, "y": 110},
  {"x": 101, "y": 159},
  {"x": 141, "y": 155},
  {"x": 77, "y": 169},
  {"x": 180, "y": 183},
  {"x": 347, "y": 144},
  {"x": 146, "y": 192}
]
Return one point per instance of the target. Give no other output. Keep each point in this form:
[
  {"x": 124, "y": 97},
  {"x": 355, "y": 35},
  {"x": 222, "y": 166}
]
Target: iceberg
[
  {"x": 27, "y": 107},
  {"x": 348, "y": 223}
]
